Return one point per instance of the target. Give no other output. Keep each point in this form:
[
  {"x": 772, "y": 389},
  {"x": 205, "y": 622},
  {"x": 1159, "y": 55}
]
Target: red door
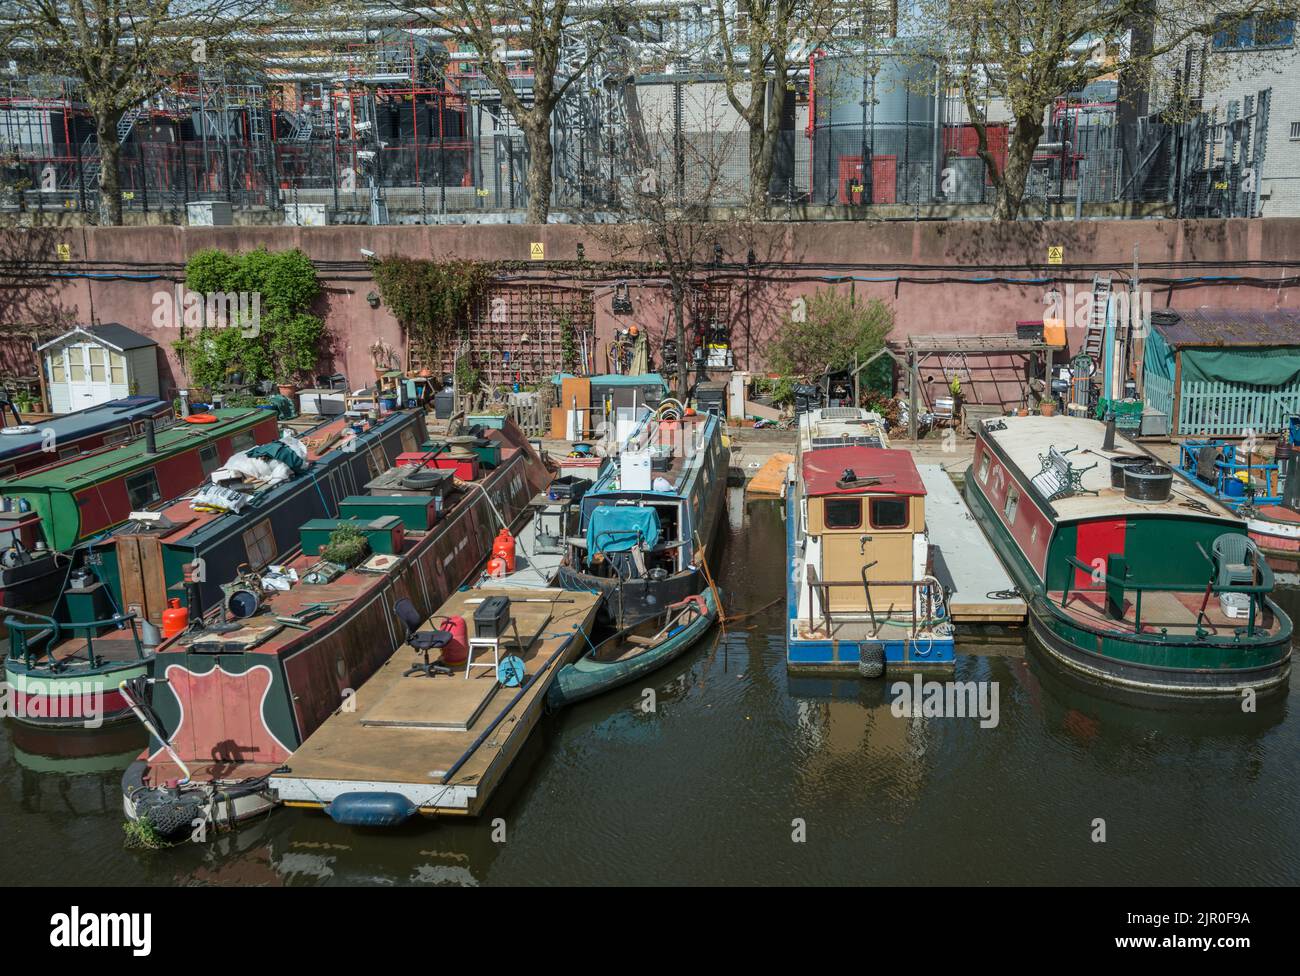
[{"x": 1094, "y": 542}]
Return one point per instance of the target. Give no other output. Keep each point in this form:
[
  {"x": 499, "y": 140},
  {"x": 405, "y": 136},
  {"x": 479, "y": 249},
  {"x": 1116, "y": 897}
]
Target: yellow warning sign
[
  {"x": 1055, "y": 254},
  {"x": 64, "y": 251},
  {"x": 537, "y": 251}
]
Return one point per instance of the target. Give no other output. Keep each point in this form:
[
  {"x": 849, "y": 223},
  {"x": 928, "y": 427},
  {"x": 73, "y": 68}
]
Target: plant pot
[
  {"x": 1047, "y": 408},
  {"x": 1022, "y": 412},
  {"x": 287, "y": 390}
]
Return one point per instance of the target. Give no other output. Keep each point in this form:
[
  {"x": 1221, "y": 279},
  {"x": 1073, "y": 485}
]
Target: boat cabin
[
  {"x": 864, "y": 522},
  {"x": 841, "y": 427}
]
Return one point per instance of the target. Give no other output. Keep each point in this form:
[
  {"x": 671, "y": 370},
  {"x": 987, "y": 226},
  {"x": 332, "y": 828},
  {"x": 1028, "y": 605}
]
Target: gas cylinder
[
  {"x": 496, "y": 567},
  {"x": 175, "y": 618},
  {"x": 457, "y": 649},
  {"x": 504, "y": 546}
]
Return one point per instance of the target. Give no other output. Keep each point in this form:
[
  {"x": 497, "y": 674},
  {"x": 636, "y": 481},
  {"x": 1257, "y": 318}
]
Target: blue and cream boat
[
  {"x": 649, "y": 518},
  {"x": 861, "y": 594}
]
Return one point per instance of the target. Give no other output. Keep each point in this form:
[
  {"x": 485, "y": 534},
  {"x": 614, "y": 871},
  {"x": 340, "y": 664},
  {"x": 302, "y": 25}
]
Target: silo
[{"x": 880, "y": 106}]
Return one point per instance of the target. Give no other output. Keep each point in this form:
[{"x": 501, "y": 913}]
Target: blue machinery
[{"x": 1223, "y": 469}]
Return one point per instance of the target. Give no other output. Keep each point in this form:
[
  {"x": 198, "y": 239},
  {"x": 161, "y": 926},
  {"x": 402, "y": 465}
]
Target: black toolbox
[
  {"x": 569, "y": 489},
  {"x": 492, "y": 617}
]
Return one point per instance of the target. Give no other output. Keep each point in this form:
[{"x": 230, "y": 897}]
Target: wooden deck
[
  {"x": 406, "y": 734},
  {"x": 769, "y": 480},
  {"x": 964, "y": 560}
]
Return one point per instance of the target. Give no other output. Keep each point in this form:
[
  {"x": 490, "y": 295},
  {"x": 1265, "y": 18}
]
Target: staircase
[
  {"x": 1096, "y": 335},
  {"x": 90, "y": 148}
]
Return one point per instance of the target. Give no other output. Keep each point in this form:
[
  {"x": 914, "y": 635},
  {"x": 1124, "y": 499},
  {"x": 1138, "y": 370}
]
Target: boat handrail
[
  {"x": 818, "y": 589},
  {"x": 21, "y": 646},
  {"x": 1254, "y": 590}
]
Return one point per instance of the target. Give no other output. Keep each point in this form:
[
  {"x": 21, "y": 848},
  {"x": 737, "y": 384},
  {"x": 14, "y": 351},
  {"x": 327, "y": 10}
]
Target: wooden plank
[{"x": 770, "y": 478}]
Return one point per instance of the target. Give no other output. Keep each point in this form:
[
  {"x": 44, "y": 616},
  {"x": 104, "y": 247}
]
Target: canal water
[{"x": 744, "y": 775}]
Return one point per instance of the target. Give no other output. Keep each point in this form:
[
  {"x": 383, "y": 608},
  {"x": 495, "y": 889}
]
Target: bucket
[
  {"x": 1151, "y": 482},
  {"x": 1122, "y": 462}
]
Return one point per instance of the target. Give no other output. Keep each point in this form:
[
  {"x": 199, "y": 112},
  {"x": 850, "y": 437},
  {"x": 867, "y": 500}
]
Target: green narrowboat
[{"x": 1132, "y": 574}]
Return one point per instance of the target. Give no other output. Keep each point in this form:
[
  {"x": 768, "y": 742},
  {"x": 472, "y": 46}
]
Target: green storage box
[
  {"x": 385, "y": 534},
  {"x": 418, "y": 513},
  {"x": 493, "y": 420}
]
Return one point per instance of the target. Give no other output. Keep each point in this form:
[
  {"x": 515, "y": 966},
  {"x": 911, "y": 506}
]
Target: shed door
[{"x": 88, "y": 375}]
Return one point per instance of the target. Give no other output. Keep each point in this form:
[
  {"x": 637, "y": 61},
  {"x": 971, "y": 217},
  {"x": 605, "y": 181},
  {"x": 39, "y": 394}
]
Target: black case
[{"x": 492, "y": 617}]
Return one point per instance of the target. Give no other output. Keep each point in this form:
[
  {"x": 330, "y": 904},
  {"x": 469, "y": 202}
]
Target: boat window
[
  {"x": 1009, "y": 510},
  {"x": 984, "y": 468},
  {"x": 888, "y": 513},
  {"x": 142, "y": 489},
  {"x": 843, "y": 513},
  {"x": 8, "y": 472},
  {"x": 259, "y": 544},
  {"x": 374, "y": 462},
  {"x": 242, "y": 441},
  {"x": 209, "y": 459}
]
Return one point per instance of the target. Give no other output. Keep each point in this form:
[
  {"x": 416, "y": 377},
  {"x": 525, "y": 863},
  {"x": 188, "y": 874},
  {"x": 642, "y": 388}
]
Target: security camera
[{"x": 367, "y": 253}]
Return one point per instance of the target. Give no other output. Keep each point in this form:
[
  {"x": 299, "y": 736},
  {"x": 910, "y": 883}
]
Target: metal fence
[{"x": 1183, "y": 167}]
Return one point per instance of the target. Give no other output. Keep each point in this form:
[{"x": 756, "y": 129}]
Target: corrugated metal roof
[{"x": 1229, "y": 327}]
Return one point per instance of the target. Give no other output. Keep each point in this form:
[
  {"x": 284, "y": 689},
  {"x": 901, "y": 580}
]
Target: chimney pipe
[
  {"x": 150, "y": 441},
  {"x": 1108, "y": 444}
]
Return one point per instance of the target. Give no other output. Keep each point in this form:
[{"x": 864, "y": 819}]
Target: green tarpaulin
[{"x": 1270, "y": 366}]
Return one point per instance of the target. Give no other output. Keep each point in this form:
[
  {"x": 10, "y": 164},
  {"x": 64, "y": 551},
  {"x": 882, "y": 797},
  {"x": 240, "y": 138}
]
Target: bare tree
[
  {"x": 1031, "y": 53},
  {"x": 125, "y": 51},
  {"x": 558, "y": 39},
  {"x": 669, "y": 211}
]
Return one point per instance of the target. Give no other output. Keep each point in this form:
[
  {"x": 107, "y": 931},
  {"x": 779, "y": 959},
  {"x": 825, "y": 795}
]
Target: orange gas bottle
[
  {"x": 175, "y": 618},
  {"x": 496, "y": 567},
  {"x": 504, "y": 546},
  {"x": 457, "y": 649}
]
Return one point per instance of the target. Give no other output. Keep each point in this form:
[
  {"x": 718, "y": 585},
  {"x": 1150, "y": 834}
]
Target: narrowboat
[
  {"x": 24, "y": 446},
  {"x": 232, "y": 699},
  {"x": 861, "y": 592},
  {"x": 79, "y": 499},
  {"x": 648, "y": 520},
  {"x": 1132, "y": 574}
]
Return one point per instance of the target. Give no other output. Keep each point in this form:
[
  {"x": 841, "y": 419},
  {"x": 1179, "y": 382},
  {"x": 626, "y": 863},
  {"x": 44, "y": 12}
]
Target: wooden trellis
[{"x": 516, "y": 333}]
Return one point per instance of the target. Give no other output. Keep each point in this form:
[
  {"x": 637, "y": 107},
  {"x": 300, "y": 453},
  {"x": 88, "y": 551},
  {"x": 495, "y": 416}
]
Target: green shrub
[{"x": 347, "y": 546}]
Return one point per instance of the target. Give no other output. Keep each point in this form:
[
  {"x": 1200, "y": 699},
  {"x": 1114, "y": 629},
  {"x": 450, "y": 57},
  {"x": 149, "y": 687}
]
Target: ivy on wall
[{"x": 430, "y": 299}]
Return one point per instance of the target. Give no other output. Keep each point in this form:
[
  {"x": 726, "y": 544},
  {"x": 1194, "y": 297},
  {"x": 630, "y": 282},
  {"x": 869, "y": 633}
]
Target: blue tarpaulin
[{"x": 617, "y": 528}]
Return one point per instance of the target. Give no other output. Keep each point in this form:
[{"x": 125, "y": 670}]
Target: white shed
[{"x": 93, "y": 364}]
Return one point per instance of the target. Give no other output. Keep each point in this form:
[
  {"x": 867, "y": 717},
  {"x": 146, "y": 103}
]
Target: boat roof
[
  {"x": 839, "y": 427},
  {"x": 822, "y": 469},
  {"x": 1025, "y": 440},
  {"x": 194, "y": 528},
  {"x": 108, "y": 462},
  {"x": 652, "y": 432},
  {"x": 104, "y": 416}
]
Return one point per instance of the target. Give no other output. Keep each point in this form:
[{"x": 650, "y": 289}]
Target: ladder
[{"x": 1095, "y": 337}]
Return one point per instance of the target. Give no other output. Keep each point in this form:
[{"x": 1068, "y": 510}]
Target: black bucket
[
  {"x": 1122, "y": 462},
  {"x": 1150, "y": 482}
]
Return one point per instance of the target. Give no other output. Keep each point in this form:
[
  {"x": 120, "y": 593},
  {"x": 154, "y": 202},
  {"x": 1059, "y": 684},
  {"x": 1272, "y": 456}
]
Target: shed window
[
  {"x": 117, "y": 367},
  {"x": 57, "y": 373},
  {"x": 259, "y": 544},
  {"x": 96, "y": 364},
  {"x": 142, "y": 489},
  {"x": 888, "y": 513},
  {"x": 843, "y": 513},
  {"x": 1009, "y": 510}
]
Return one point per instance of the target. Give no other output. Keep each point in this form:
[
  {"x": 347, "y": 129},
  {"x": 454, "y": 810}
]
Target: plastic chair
[
  {"x": 1237, "y": 558},
  {"x": 423, "y": 641}
]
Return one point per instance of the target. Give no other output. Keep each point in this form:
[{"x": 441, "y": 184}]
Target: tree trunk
[
  {"x": 679, "y": 328},
  {"x": 1020, "y": 156},
  {"x": 537, "y": 134},
  {"x": 764, "y": 135},
  {"x": 110, "y": 183}
]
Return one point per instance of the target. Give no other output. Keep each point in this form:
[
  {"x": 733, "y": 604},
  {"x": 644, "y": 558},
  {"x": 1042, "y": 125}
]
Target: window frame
[
  {"x": 907, "y": 511},
  {"x": 1011, "y": 506},
  {"x": 131, "y": 490},
  {"x": 826, "y": 511},
  {"x": 263, "y": 538}
]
